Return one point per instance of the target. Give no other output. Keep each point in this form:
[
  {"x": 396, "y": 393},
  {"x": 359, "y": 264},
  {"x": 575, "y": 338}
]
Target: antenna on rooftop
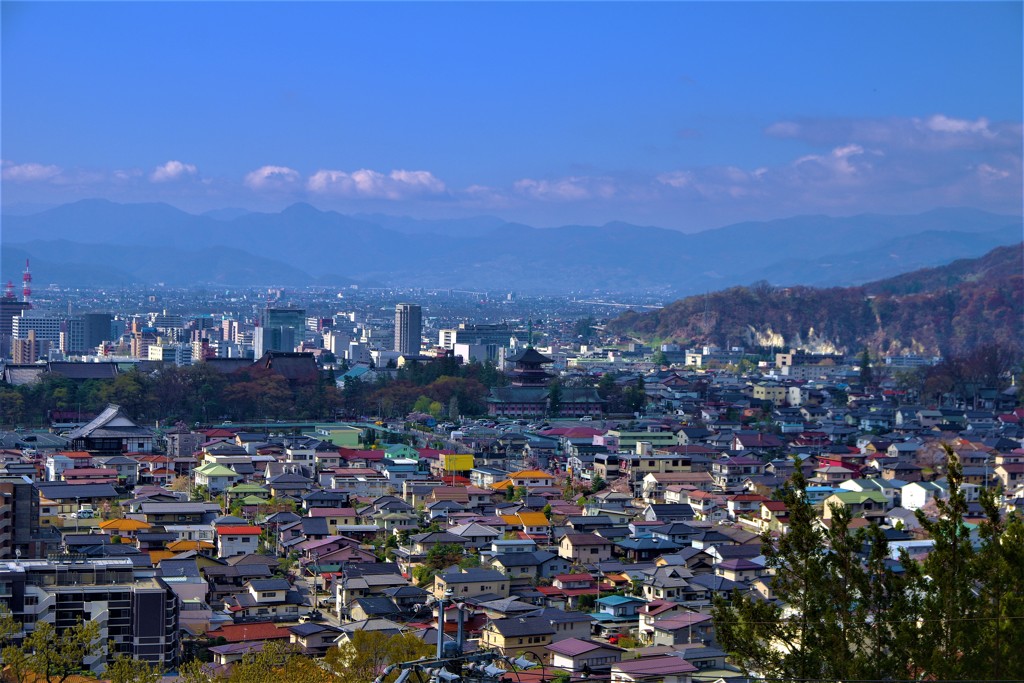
[{"x": 26, "y": 284}]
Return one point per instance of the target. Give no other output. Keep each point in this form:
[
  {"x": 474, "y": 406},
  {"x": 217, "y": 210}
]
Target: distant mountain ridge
[
  {"x": 948, "y": 310},
  {"x": 303, "y": 245}
]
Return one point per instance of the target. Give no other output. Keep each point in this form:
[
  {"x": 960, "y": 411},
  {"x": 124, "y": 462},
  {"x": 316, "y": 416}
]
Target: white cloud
[
  {"x": 271, "y": 177},
  {"x": 172, "y": 170},
  {"x": 840, "y": 161},
  {"x": 677, "y": 179},
  {"x": 399, "y": 184},
  {"x": 945, "y": 124},
  {"x": 572, "y": 188},
  {"x": 30, "y": 172},
  {"x": 935, "y": 133}
]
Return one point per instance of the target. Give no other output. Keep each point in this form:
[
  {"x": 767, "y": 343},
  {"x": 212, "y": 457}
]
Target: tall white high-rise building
[{"x": 408, "y": 329}]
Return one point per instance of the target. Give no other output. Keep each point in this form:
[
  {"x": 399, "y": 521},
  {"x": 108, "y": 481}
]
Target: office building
[
  {"x": 10, "y": 308},
  {"x": 280, "y": 329},
  {"x": 408, "y": 329},
  {"x": 498, "y": 334}
]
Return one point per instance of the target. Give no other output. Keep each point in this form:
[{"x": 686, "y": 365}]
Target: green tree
[
  {"x": 56, "y": 656},
  {"x": 435, "y": 409},
  {"x": 831, "y": 619},
  {"x": 867, "y": 377},
  {"x": 368, "y": 653},
  {"x": 555, "y": 398},
  {"x": 127, "y": 669}
]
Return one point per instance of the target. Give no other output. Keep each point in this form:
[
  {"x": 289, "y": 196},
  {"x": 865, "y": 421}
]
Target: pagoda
[{"x": 528, "y": 370}]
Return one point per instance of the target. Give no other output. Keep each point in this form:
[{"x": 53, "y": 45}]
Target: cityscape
[{"x": 511, "y": 343}]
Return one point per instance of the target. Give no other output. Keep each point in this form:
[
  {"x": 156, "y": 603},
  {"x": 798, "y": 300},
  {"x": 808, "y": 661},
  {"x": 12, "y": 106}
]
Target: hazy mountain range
[
  {"x": 97, "y": 242},
  {"x": 949, "y": 310}
]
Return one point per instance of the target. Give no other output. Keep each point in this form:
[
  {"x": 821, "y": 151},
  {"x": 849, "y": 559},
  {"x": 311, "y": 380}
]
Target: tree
[
  {"x": 555, "y": 398},
  {"x": 867, "y": 377},
  {"x": 56, "y": 656},
  {"x": 422, "y": 405},
  {"x": 127, "y": 669},
  {"x": 368, "y": 653},
  {"x": 831, "y": 618},
  {"x": 843, "y": 613}
]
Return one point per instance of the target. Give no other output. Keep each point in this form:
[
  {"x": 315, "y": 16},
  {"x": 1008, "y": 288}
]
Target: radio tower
[
  {"x": 9, "y": 290},
  {"x": 26, "y": 284}
]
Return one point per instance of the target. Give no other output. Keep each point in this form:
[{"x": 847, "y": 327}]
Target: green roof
[
  {"x": 859, "y": 497},
  {"x": 247, "y": 488},
  {"x": 212, "y": 469}
]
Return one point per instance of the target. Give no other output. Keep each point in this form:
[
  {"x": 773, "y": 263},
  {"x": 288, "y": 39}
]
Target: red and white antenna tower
[
  {"x": 9, "y": 290},
  {"x": 26, "y": 284}
]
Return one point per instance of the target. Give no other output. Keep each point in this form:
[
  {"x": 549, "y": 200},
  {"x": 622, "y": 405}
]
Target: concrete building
[
  {"x": 137, "y": 615},
  {"x": 280, "y": 329},
  {"x": 408, "y": 329},
  {"x": 19, "y": 518}
]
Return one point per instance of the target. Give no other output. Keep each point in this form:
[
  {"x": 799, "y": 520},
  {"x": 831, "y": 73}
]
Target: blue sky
[{"x": 684, "y": 115}]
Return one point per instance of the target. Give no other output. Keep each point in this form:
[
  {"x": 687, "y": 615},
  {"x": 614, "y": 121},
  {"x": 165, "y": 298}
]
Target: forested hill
[{"x": 949, "y": 310}]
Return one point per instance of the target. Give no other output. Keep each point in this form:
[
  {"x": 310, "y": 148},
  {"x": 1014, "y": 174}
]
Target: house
[
  {"x": 237, "y": 540},
  {"x": 468, "y": 583},
  {"x": 515, "y": 635},
  {"x": 617, "y": 614},
  {"x": 313, "y": 640},
  {"x": 531, "y": 479},
  {"x": 670, "y": 582},
  {"x": 860, "y": 503},
  {"x": 664, "y": 669},
  {"x": 580, "y": 655},
  {"x": 651, "y": 612},
  {"x": 216, "y": 478},
  {"x": 264, "y": 599},
  {"x": 739, "y": 570},
  {"x": 917, "y": 494},
  {"x": 686, "y": 627},
  {"x": 585, "y": 549}
]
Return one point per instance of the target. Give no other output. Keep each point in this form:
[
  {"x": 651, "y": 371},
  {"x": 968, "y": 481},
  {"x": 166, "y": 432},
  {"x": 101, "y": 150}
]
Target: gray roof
[
  {"x": 473, "y": 576},
  {"x": 270, "y": 584}
]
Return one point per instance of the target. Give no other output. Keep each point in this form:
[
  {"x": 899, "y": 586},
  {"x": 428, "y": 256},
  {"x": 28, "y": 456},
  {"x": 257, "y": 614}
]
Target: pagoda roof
[{"x": 530, "y": 355}]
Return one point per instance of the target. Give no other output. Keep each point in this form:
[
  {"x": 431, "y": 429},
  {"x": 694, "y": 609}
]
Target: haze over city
[{"x": 681, "y": 115}]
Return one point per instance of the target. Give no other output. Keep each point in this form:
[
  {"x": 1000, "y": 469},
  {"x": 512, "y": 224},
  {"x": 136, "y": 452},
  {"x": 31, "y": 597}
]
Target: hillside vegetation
[{"x": 949, "y": 311}]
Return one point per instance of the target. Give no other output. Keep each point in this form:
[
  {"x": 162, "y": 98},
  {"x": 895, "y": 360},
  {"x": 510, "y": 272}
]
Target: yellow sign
[{"x": 457, "y": 462}]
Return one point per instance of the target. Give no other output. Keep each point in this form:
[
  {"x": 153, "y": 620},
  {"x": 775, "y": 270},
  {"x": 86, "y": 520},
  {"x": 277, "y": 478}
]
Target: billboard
[{"x": 457, "y": 462}]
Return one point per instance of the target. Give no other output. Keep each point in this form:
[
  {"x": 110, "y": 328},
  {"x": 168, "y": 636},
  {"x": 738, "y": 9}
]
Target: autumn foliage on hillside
[{"x": 945, "y": 312}]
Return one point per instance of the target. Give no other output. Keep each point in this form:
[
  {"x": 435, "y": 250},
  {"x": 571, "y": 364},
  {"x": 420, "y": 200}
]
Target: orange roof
[
  {"x": 239, "y": 530},
  {"x": 156, "y": 556},
  {"x": 185, "y": 545},
  {"x": 76, "y": 454},
  {"x": 125, "y": 525},
  {"x": 502, "y": 485},
  {"x": 531, "y": 474},
  {"x": 534, "y": 519}
]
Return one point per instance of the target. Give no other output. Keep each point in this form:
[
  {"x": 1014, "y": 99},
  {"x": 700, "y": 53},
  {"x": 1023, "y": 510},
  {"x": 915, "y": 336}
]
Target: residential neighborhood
[{"x": 598, "y": 546}]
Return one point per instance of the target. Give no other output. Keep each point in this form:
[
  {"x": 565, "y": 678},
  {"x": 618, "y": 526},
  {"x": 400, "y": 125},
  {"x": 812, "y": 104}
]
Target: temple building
[{"x": 530, "y": 394}]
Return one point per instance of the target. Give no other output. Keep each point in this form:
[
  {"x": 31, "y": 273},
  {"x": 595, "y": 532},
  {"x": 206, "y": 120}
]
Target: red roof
[
  {"x": 239, "y": 531},
  {"x": 240, "y": 633}
]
